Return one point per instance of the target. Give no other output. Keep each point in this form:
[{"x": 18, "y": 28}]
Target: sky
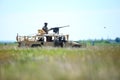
[{"x": 88, "y": 19}]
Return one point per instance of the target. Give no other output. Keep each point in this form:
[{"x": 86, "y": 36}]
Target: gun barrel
[
  {"x": 61, "y": 26},
  {"x": 64, "y": 26},
  {"x": 58, "y": 27}
]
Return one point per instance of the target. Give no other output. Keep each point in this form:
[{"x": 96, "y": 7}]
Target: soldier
[{"x": 45, "y": 28}]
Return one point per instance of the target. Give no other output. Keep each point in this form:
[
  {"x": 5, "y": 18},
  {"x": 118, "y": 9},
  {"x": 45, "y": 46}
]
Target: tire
[{"x": 35, "y": 45}]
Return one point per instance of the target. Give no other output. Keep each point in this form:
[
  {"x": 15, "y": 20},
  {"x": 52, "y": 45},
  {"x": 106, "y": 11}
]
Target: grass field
[{"x": 90, "y": 63}]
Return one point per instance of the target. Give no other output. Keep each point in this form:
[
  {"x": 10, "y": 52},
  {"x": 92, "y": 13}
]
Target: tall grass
[{"x": 90, "y": 63}]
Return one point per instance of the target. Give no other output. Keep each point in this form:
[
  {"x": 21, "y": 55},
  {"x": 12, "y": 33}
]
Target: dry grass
[{"x": 90, "y": 63}]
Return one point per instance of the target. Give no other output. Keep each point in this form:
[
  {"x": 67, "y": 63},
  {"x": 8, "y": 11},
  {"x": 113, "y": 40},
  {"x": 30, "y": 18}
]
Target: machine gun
[{"x": 56, "y": 29}]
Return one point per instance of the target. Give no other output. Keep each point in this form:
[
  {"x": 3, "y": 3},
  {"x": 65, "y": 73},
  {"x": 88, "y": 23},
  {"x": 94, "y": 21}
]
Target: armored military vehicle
[{"x": 44, "y": 38}]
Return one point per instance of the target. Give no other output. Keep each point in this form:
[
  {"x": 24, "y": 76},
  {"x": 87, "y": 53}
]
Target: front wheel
[{"x": 36, "y": 45}]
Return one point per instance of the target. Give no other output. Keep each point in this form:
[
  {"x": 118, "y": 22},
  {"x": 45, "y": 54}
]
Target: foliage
[
  {"x": 90, "y": 63},
  {"x": 117, "y": 39}
]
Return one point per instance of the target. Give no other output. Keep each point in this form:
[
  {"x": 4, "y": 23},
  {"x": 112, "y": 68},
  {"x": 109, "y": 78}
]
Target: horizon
[{"x": 12, "y": 41}]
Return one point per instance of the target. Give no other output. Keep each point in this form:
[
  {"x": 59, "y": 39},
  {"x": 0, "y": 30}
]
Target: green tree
[{"x": 117, "y": 39}]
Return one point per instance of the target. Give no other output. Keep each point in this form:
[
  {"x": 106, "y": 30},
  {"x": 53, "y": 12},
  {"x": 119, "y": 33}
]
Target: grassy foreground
[{"x": 90, "y": 63}]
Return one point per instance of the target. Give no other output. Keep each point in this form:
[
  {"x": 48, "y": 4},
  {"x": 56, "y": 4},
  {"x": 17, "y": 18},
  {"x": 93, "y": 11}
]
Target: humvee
[{"x": 43, "y": 39}]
